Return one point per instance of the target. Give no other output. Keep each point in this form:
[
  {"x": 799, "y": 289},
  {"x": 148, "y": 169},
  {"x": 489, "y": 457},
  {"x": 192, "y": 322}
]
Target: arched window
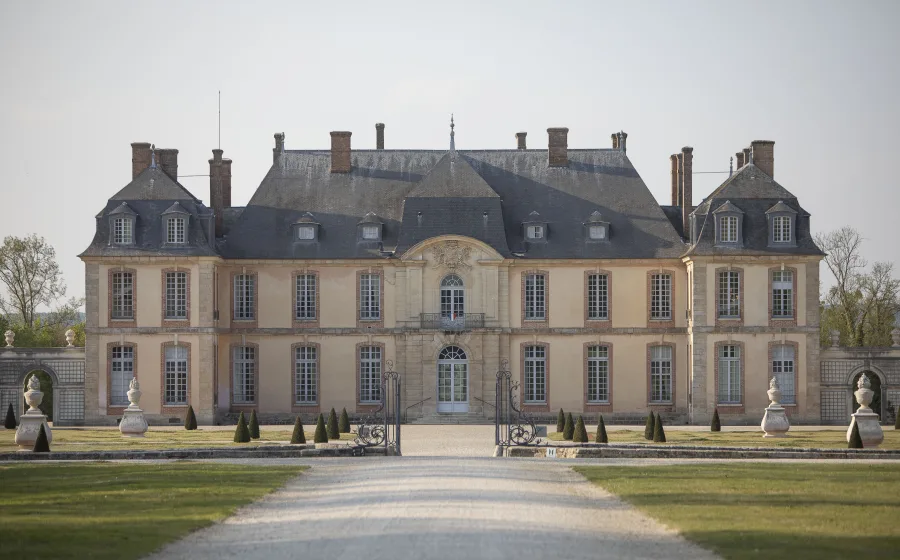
[
  {"x": 452, "y": 353},
  {"x": 452, "y": 280}
]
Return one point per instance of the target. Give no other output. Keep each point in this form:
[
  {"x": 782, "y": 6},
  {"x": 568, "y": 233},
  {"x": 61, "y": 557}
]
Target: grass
[
  {"x": 768, "y": 510},
  {"x": 92, "y": 439},
  {"x": 115, "y": 511},
  {"x": 796, "y": 438}
]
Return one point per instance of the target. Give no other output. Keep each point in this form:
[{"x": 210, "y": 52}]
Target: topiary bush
[
  {"x": 190, "y": 419},
  {"x": 41, "y": 445},
  {"x": 580, "y": 435},
  {"x": 855, "y": 440},
  {"x": 344, "y": 422},
  {"x": 569, "y": 429},
  {"x": 333, "y": 431},
  {"x": 561, "y": 421},
  {"x": 10, "y": 422},
  {"x": 716, "y": 425},
  {"x": 648, "y": 427},
  {"x": 254, "y": 425},
  {"x": 298, "y": 436},
  {"x": 321, "y": 434},
  {"x": 896, "y": 419},
  {"x": 601, "y": 432},
  {"x": 659, "y": 434},
  {"x": 241, "y": 432}
]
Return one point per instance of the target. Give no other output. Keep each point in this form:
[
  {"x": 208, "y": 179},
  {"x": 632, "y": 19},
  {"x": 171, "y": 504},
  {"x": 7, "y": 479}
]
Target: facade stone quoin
[{"x": 349, "y": 262}]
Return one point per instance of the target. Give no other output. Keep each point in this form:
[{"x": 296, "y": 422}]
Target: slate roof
[{"x": 153, "y": 184}]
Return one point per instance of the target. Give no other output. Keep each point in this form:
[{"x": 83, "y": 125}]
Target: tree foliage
[
  {"x": 716, "y": 424},
  {"x": 601, "y": 437},
  {"x": 254, "y": 425},
  {"x": 334, "y": 431},
  {"x": 855, "y": 439},
  {"x": 298, "y": 436},
  {"x": 560, "y": 421},
  {"x": 648, "y": 427},
  {"x": 10, "y": 421},
  {"x": 344, "y": 422},
  {"x": 31, "y": 275},
  {"x": 580, "y": 434},
  {"x": 241, "y": 432},
  {"x": 190, "y": 419},
  {"x": 321, "y": 435},
  {"x": 569, "y": 428},
  {"x": 41, "y": 444},
  {"x": 659, "y": 434}
]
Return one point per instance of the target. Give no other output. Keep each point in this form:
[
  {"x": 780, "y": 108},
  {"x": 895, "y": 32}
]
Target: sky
[{"x": 80, "y": 81}]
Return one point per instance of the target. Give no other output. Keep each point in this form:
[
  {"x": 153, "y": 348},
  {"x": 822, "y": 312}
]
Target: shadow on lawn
[{"x": 743, "y": 545}]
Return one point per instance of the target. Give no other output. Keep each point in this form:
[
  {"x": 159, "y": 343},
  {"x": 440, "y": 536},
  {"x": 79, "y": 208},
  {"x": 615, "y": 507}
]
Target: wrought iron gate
[
  {"x": 511, "y": 425},
  {"x": 382, "y": 427}
]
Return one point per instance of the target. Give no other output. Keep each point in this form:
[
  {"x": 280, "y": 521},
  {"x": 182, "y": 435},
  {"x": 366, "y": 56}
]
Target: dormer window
[
  {"x": 596, "y": 228},
  {"x": 370, "y": 233},
  {"x": 370, "y": 228},
  {"x": 597, "y": 233},
  {"x": 535, "y": 232},
  {"x": 781, "y": 229},
  {"x": 306, "y": 228},
  {"x": 306, "y": 233},
  {"x": 534, "y": 228},
  {"x": 123, "y": 233},
  {"x": 728, "y": 224},
  {"x": 175, "y": 225},
  {"x": 729, "y": 227},
  {"x": 782, "y": 220},
  {"x": 175, "y": 231}
]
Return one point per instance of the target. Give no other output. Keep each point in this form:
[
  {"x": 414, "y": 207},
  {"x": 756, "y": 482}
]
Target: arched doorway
[
  {"x": 875, "y": 385},
  {"x": 453, "y": 380},
  {"x": 453, "y": 301},
  {"x": 46, "y": 382}
]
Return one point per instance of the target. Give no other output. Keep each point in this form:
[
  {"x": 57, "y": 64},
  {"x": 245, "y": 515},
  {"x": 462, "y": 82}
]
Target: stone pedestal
[
  {"x": 775, "y": 422},
  {"x": 869, "y": 429},
  {"x": 133, "y": 423},
  {"x": 30, "y": 423}
]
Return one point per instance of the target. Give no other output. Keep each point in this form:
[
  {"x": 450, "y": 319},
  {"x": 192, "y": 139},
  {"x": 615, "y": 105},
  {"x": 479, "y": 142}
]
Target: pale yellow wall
[
  {"x": 756, "y": 291},
  {"x": 149, "y": 288}
]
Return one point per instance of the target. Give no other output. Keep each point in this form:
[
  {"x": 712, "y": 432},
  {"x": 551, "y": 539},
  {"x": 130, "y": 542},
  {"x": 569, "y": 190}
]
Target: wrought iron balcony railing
[{"x": 459, "y": 322}]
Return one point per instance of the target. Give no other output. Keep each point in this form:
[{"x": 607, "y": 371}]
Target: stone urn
[
  {"x": 775, "y": 422},
  {"x": 30, "y": 422},
  {"x": 10, "y": 338},
  {"x": 134, "y": 393},
  {"x": 774, "y": 392},
  {"x": 870, "y": 431},
  {"x": 70, "y": 338},
  {"x": 133, "y": 423},
  {"x": 33, "y": 396}
]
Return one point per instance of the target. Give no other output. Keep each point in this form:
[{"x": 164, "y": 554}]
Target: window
[
  {"x": 306, "y": 233},
  {"x": 369, "y": 374},
  {"x": 535, "y": 232},
  {"x": 781, "y": 229},
  {"x": 123, "y": 295},
  {"x": 370, "y": 233},
  {"x": 244, "y": 293},
  {"x": 661, "y": 297},
  {"x": 123, "y": 233},
  {"x": 729, "y": 294},
  {"x": 729, "y": 374},
  {"x": 535, "y": 297},
  {"x": 176, "y": 295},
  {"x": 175, "y": 230},
  {"x": 306, "y": 375},
  {"x": 598, "y": 297},
  {"x": 121, "y": 374},
  {"x": 598, "y": 374},
  {"x": 783, "y": 372},
  {"x": 369, "y": 297},
  {"x": 597, "y": 232},
  {"x": 660, "y": 374},
  {"x": 305, "y": 309},
  {"x": 782, "y": 294},
  {"x": 244, "y": 387},
  {"x": 535, "y": 374},
  {"x": 176, "y": 375},
  {"x": 728, "y": 229}
]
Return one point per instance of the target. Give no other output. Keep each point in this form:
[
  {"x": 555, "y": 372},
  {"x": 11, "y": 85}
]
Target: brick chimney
[
  {"x": 340, "y": 151},
  {"x": 279, "y": 146},
  {"x": 520, "y": 140},
  {"x": 673, "y": 159},
  {"x": 167, "y": 160},
  {"x": 558, "y": 147},
  {"x": 739, "y": 159},
  {"x": 764, "y": 156},
  {"x": 687, "y": 187},
  {"x": 615, "y": 140},
  {"x": 216, "y": 190},
  {"x": 379, "y": 136},
  {"x": 140, "y": 157}
]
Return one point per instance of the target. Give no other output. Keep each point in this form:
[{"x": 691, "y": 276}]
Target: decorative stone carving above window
[
  {"x": 452, "y": 255},
  {"x": 175, "y": 222},
  {"x": 370, "y": 228},
  {"x": 781, "y": 221},
  {"x": 121, "y": 225},
  {"x": 305, "y": 229},
  {"x": 596, "y": 229},
  {"x": 729, "y": 225},
  {"x": 534, "y": 228}
]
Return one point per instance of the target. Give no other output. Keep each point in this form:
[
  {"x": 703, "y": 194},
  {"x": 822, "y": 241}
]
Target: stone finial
[
  {"x": 895, "y": 336},
  {"x": 775, "y": 422},
  {"x": 774, "y": 392},
  {"x": 863, "y": 382},
  {"x": 10, "y": 338},
  {"x": 70, "y": 338},
  {"x": 835, "y": 338},
  {"x": 864, "y": 393},
  {"x": 134, "y": 393},
  {"x": 133, "y": 423},
  {"x": 34, "y": 396},
  {"x": 34, "y": 383}
]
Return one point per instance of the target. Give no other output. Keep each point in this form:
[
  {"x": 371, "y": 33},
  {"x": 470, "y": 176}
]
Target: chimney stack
[
  {"x": 623, "y": 136},
  {"x": 379, "y": 136},
  {"x": 340, "y": 151},
  {"x": 739, "y": 159},
  {"x": 673, "y": 159},
  {"x": 140, "y": 157},
  {"x": 226, "y": 182},
  {"x": 558, "y": 146},
  {"x": 520, "y": 140},
  {"x": 615, "y": 140},
  {"x": 747, "y": 159},
  {"x": 167, "y": 160},
  {"x": 764, "y": 156},
  {"x": 279, "y": 146},
  {"x": 687, "y": 187},
  {"x": 216, "y": 190}
]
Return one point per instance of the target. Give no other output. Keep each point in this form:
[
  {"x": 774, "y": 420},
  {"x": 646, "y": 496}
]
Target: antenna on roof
[
  {"x": 220, "y": 119},
  {"x": 452, "y": 134},
  {"x": 152, "y": 156}
]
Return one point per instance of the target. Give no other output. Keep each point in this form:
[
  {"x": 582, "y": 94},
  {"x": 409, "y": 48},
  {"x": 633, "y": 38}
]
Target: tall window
[
  {"x": 175, "y": 230},
  {"x": 729, "y": 374},
  {"x": 305, "y": 309},
  {"x": 535, "y": 297},
  {"x": 244, "y": 293},
  {"x": 661, "y": 296},
  {"x": 729, "y": 294},
  {"x": 122, "y": 295},
  {"x": 783, "y": 372},
  {"x": 369, "y": 297},
  {"x": 244, "y": 387},
  {"x": 661, "y": 374},
  {"x": 598, "y": 297},
  {"x": 728, "y": 229},
  {"x": 782, "y": 294},
  {"x": 369, "y": 374},
  {"x": 781, "y": 229},
  {"x": 306, "y": 374},
  {"x": 176, "y": 376},
  {"x": 121, "y": 374},
  {"x": 123, "y": 233},
  {"x": 176, "y": 295},
  {"x": 535, "y": 374},
  {"x": 598, "y": 374}
]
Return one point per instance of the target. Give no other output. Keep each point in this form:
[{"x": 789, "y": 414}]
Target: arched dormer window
[
  {"x": 370, "y": 228},
  {"x": 534, "y": 228},
  {"x": 595, "y": 228},
  {"x": 782, "y": 220},
  {"x": 175, "y": 222},
  {"x": 729, "y": 225},
  {"x": 121, "y": 225},
  {"x": 306, "y": 228}
]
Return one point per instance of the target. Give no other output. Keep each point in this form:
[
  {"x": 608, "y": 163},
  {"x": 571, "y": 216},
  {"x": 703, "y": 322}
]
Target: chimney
[
  {"x": 557, "y": 148},
  {"x": 167, "y": 159},
  {"x": 674, "y": 161},
  {"x": 739, "y": 158},
  {"x": 747, "y": 159},
  {"x": 615, "y": 140},
  {"x": 520, "y": 140},
  {"x": 279, "y": 146},
  {"x": 687, "y": 187},
  {"x": 140, "y": 157},
  {"x": 226, "y": 183},
  {"x": 216, "y": 198},
  {"x": 379, "y": 136},
  {"x": 340, "y": 151},
  {"x": 623, "y": 136},
  {"x": 764, "y": 156}
]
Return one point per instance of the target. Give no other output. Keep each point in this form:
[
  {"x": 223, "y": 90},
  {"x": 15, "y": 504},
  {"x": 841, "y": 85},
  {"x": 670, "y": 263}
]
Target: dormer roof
[
  {"x": 595, "y": 218},
  {"x": 371, "y": 218},
  {"x": 728, "y": 207},
  {"x": 176, "y": 208},
  {"x": 307, "y": 218},
  {"x": 123, "y": 209},
  {"x": 780, "y": 206}
]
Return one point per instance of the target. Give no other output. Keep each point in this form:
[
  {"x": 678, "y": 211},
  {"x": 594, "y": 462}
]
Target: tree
[
  {"x": 41, "y": 444},
  {"x": 10, "y": 423},
  {"x": 648, "y": 427},
  {"x": 716, "y": 425},
  {"x": 321, "y": 434},
  {"x": 580, "y": 435},
  {"x": 333, "y": 431},
  {"x": 254, "y": 425},
  {"x": 561, "y": 421},
  {"x": 659, "y": 434},
  {"x": 32, "y": 277},
  {"x": 298, "y": 436},
  {"x": 190, "y": 419},
  {"x": 241, "y": 432},
  {"x": 569, "y": 428},
  {"x": 344, "y": 422},
  {"x": 601, "y": 432},
  {"x": 855, "y": 439}
]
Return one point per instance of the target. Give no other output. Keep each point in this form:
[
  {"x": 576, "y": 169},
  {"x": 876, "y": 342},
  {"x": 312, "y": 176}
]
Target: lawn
[
  {"x": 118, "y": 511},
  {"x": 769, "y": 510},
  {"x": 795, "y": 438}
]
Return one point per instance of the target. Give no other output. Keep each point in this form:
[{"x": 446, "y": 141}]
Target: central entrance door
[
  {"x": 453, "y": 380},
  {"x": 453, "y": 301}
]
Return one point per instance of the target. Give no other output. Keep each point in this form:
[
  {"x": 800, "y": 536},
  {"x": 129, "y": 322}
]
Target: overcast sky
[{"x": 80, "y": 81}]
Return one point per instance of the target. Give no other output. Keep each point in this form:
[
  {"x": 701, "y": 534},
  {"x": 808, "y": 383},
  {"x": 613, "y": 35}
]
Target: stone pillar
[
  {"x": 30, "y": 423},
  {"x": 869, "y": 429},
  {"x": 775, "y": 422}
]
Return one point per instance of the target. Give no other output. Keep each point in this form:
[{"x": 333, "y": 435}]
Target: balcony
[{"x": 460, "y": 322}]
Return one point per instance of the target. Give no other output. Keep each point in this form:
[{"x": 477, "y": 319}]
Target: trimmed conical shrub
[
  {"x": 321, "y": 433},
  {"x": 569, "y": 429},
  {"x": 855, "y": 440},
  {"x": 659, "y": 434},
  {"x": 344, "y": 422},
  {"x": 648, "y": 427},
  {"x": 601, "y": 432},
  {"x": 10, "y": 422},
  {"x": 561, "y": 421},
  {"x": 298, "y": 436},
  {"x": 190, "y": 419},
  {"x": 896, "y": 421},
  {"x": 254, "y": 425},
  {"x": 241, "y": 432},
  {"x": 716, "y": 425},
  {"x": 333, "y": 431},
  {"x": 580, "y": 435},
  {"x": 41, "y": 445}
]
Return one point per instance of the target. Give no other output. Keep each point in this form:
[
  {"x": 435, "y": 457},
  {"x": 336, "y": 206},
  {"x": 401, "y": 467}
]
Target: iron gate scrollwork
[
  {"x": 511, "y": 425},
  {"x": 382, "y": 427}
]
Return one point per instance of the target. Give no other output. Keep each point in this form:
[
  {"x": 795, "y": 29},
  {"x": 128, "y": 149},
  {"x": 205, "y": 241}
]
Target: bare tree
[{"x": 32, "y": 277}]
